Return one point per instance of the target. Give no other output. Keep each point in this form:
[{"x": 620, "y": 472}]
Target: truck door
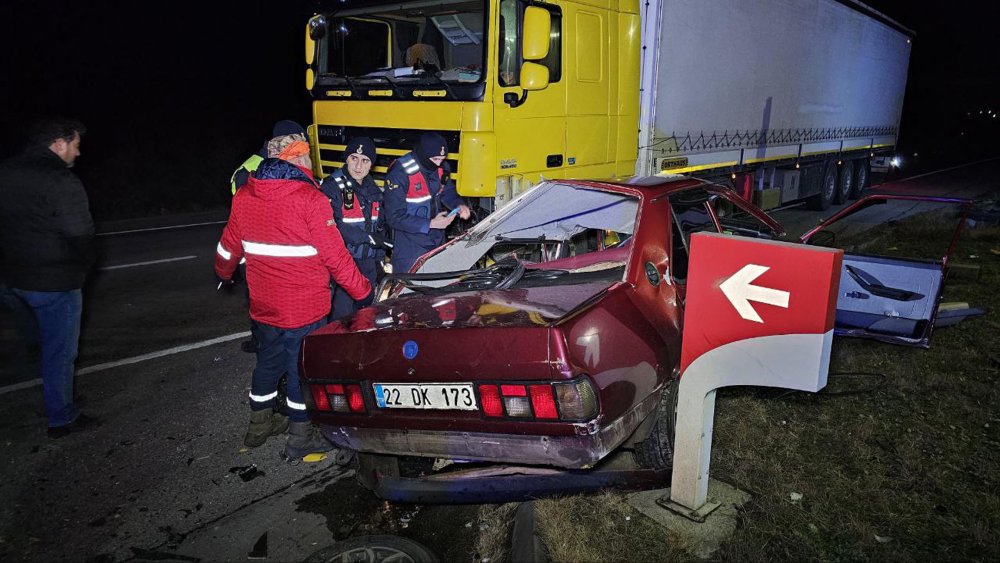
[
  {"x": 587, "y": 75},
  {"x": 531, "y": 137}
]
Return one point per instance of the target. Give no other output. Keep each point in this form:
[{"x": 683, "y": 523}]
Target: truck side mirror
[
  {"x": 315, "y": 29},
  {"x": 534, "y": 76},
  {"x": 534, "y": 47},
  {"x": 535, "y": 35}
]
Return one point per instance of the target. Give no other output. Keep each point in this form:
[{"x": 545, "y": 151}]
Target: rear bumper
[
  {"x": 515, "y": 488},
  {"x": 591, "y": 443}
]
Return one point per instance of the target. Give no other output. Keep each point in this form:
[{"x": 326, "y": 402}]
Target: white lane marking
[
  {"x": 151, "y": 262},
  {"x": 108, "y": 365},
  {"x": 162, "y": 228}
]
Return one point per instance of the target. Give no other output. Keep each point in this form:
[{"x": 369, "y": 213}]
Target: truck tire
[
  {"x": 656, "y": 451},
  {"x": 822, "y": 200},
  {"x": 845, "y": 182},
  {"x": 862, "y": 177}
]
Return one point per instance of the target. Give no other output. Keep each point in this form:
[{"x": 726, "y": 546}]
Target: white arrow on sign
[{"x": 740, "y": 292}]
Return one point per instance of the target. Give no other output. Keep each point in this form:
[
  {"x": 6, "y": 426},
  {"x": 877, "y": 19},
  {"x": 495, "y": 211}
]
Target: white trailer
[{"x": 790, "y": 98}]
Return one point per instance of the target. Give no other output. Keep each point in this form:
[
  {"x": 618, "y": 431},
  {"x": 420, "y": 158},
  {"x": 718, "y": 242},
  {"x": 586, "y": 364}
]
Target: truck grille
[{"x": 390, "y": 144}]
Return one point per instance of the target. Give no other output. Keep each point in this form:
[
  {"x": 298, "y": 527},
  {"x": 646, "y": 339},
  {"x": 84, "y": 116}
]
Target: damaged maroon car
[{"x": 548, "y": 334}]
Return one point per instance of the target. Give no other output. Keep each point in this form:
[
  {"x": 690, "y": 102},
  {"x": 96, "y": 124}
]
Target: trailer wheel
[
  {"x": 845, "y": 182},
  {"x": 656, "y": 451},
  {"x": 828, "y": 188},
  {"x": 862, "y": 175}
]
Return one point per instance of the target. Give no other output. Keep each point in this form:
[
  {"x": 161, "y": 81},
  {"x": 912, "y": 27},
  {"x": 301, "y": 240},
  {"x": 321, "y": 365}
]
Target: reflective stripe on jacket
[
  {"x": 357, "y": 210},
  {"x": 284, "y": 227}
]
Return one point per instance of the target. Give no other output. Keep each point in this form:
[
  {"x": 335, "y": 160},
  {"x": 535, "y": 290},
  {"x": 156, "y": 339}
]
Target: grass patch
[{"x": 906, "y": 469}]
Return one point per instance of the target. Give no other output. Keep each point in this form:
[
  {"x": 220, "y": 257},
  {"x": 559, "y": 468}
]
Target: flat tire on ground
[
  {"x": 845, "y": 182},
  {"x": 862, "y": 177},
  {"x": 372, "y": 549},
  {"x": 656, "y": 451},
  {"x": 822, "y": 200}
]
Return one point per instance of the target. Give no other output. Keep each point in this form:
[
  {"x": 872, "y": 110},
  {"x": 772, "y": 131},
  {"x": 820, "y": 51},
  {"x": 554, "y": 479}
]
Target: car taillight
[
  {"x": 320, "y": 398},
  {"x": 542, "y": 401},
  {"x": 338, "y": 397},
  {"x": 515, "y": 400},
  {"x": 577, "y": 400},
  {"x": 574, "y": 400},
  {"x": 354, "y": 398},
  {"x": 490, "y": 397}
]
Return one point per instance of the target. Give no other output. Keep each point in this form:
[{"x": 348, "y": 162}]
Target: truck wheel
[
  {"x": 657, "y": 450},
  {"x": 845, "y": 182},
  {"x": 828, "y": 188},
  {"x": 862, "y": 176}
]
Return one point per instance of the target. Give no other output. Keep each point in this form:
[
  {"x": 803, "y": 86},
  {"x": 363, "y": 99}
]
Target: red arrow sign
[{"x": 740, "y": 288}]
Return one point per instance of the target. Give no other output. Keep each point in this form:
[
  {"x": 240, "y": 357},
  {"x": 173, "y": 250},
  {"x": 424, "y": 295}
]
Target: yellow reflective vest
[{"x": 249, "y": 165}]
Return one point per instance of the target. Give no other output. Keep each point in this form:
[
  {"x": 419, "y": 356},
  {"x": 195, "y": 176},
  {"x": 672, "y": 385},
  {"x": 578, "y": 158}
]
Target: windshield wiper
[
  {"x": 501, "y": 275},
  {"x": 392, "y": 83},
  {"x": 537, "y": 240},
  {"x": 437, "y": 78}
]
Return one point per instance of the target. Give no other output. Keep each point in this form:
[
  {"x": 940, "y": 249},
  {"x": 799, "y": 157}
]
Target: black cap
[
  {"x": 360, "y": 145},
  {"x": 431, "y": 145},
  {"x": 287, "y": 127}
]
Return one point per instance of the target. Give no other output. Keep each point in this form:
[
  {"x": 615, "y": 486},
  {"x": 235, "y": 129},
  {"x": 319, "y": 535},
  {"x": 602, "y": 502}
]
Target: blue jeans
[
  {"x": 58, "y": 315},
  {"x": 278, "y": 354}
]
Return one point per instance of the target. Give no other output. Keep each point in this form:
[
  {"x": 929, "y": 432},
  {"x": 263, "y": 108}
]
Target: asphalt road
[{"x": 155, "y": 479}]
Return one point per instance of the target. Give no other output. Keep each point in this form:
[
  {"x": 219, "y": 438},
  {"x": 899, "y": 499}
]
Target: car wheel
[
  {"x": 862, "y": 176},
  {"x": 374, "y": 549},
  {"x": 845, "y": 182},
  {"x": 656, "y": 451}
]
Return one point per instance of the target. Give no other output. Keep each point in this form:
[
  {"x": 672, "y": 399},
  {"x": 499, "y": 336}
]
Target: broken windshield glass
[{"x": 574, "y": 233}]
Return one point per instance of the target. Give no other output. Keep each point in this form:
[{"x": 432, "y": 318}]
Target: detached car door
[{"x": 890, "y": 293}]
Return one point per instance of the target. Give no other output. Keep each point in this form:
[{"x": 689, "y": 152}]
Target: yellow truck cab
[{"x": 789, "y": 101}]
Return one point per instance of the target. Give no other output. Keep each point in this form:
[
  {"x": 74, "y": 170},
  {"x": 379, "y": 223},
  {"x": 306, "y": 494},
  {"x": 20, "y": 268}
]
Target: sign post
[{"x": 757, "y": 312}]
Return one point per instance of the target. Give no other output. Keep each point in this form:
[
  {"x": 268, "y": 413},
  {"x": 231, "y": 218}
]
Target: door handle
[{"x": 554, "y": 160}]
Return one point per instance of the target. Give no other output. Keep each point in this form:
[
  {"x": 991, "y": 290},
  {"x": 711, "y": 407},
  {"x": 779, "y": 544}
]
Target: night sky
[{"x": 177, "y": 94}]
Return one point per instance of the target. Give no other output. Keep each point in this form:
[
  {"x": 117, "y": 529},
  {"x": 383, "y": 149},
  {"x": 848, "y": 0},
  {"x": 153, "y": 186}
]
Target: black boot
[
  {"x": 304, "y": 439},
  {"x": 264, "y": 423}
]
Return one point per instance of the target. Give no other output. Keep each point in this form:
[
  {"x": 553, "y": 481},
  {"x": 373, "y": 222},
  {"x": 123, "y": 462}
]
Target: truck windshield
[{"x": 420, "y": 44}]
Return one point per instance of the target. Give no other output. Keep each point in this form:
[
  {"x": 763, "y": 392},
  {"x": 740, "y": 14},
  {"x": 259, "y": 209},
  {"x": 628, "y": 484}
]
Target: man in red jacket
[{"x": 284, "y": 226}]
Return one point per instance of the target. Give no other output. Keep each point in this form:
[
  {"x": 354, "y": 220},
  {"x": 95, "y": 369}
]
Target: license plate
[{"x": 442, "y": 396}]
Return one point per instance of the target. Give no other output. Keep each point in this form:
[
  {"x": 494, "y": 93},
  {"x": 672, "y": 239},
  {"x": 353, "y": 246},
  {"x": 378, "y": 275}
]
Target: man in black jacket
[{"x": 46, "y": 249}]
